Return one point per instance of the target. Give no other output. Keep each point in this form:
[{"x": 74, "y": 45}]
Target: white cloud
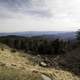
[{"x": 38, "y": 15}]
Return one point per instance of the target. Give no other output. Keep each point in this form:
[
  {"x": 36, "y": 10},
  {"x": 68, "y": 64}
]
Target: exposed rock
[
  {"x": 45, "y": 77},
  {"x": 43, "y": 64}
]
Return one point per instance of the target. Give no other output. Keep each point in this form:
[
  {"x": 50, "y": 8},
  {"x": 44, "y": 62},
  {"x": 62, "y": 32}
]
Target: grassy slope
[{"x": 18, "y": 66}]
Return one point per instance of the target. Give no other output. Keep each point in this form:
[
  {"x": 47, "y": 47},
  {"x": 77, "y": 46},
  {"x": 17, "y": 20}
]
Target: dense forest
[{"x": 35, "y": 45}]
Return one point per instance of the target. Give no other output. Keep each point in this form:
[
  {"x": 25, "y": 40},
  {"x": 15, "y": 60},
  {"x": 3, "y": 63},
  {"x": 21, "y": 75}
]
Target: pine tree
[{"x": 78, "y": 36}]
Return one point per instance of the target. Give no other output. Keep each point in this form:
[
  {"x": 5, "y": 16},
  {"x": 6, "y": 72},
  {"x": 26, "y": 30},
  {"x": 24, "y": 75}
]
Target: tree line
[{"x": 36, "y": 46}]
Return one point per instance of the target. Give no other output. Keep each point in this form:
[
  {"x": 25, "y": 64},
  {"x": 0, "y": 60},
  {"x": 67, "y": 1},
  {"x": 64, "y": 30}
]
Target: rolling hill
[{"x": 44, "y": 34}]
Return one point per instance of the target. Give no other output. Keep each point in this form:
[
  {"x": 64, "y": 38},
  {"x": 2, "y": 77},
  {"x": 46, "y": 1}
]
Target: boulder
[{"x": 43, "y": 64}]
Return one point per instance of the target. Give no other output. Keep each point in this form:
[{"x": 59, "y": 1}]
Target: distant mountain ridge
[{"x": 44, "y": 34}]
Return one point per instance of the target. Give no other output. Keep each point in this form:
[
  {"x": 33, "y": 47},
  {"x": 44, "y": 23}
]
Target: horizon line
[{"x": 35, "y": 31}]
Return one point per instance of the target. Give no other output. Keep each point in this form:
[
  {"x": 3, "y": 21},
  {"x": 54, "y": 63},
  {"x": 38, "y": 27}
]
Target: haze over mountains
[{"x": 44, "y": 34}]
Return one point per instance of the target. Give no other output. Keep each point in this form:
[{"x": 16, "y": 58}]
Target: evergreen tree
[{"x": 78, "y": 36}]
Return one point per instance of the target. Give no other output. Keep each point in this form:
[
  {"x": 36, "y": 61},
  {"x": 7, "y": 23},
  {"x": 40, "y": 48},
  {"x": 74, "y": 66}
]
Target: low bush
[
  {"x": 2, "y": 49},
  {"x": 13, "y": 50}
]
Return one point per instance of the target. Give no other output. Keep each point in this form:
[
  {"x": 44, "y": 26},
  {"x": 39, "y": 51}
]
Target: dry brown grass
[{"x": 21, "y": 61}]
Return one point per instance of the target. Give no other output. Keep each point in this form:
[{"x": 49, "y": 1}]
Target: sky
[{"x": 39, "y": 15}]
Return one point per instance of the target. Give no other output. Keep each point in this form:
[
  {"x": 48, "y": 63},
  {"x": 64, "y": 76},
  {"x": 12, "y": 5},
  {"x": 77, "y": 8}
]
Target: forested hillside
[{"x": 38, "y": 45}]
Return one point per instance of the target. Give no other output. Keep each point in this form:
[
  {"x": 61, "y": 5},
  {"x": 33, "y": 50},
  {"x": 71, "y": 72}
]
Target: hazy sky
[{"x": 39, "y": 15}]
